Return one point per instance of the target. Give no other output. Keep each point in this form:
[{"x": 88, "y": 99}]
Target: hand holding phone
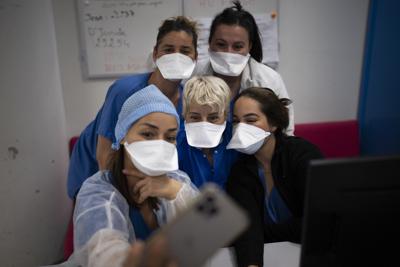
[{"x": 209, "y": 223}]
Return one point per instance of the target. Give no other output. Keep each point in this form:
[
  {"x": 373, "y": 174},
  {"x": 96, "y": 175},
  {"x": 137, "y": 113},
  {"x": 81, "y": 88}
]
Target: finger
[
  {"x": 144, "y": 194},
  {"x": 157, "y": 252},
  {"x": 140, "y": 184}
]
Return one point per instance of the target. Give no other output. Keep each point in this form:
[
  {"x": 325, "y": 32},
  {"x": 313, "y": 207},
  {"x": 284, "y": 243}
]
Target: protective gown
[{"x": 103, "y": 231}]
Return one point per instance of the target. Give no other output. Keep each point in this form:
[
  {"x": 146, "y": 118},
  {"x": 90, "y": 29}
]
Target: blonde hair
[{"x": 207, "y": 90}]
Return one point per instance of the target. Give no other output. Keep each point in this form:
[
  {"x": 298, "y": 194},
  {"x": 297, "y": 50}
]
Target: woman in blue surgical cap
[
  {"x": 174, "y": 54},
  {"x": 113, "y": 210}
]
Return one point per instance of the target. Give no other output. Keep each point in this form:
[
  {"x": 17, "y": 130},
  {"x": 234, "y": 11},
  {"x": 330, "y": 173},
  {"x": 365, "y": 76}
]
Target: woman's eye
[
  {"x": 185, "y": 52},
  {"x": 171, "y": 139},
  {"x": 238, "y": 47},
  {"x": 169, "y": 50},
  {"x": 147, "y": 135},
  {"x": 194, "y": 118},
  {"x": 213, "y": 118},
  {"x": 251, "y": 121}
]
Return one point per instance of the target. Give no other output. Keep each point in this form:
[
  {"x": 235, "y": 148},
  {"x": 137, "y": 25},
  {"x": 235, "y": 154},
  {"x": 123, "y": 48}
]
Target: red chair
[
  {"x": 335, "y": 139},
  {"x": 69, "y": 238}
]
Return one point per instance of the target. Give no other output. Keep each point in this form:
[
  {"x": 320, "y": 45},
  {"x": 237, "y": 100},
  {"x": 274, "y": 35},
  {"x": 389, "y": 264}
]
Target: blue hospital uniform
[
  {"x": 83, "y": 163},
  {"x": 275, "y": 207},
  {"x": 194, "y": 162}
]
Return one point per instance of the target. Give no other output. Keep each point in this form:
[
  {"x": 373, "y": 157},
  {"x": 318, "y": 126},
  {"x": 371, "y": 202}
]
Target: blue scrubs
[
  {"x": 83, "y": 163},
  {"x": 194, "y": 162},
  {"x": 275, "y": 207},
  {"x": 142, "y": 231}
]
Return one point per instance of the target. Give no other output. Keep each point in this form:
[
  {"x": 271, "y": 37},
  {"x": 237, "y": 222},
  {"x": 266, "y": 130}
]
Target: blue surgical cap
[{"x": 145, "y": 101}]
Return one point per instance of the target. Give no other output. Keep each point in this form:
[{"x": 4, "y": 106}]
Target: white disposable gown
[{"x": 103, "y": 231}]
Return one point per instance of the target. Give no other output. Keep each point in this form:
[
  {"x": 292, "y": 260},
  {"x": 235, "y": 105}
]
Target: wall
[
  {"x": 33, "y": 145},
  {"x": 321, "y": 45},
  {"x": 82, "y": 98}
]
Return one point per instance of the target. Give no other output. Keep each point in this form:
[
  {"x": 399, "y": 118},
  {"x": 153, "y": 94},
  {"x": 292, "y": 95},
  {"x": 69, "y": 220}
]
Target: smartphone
[{"x": 212, "y": 221}]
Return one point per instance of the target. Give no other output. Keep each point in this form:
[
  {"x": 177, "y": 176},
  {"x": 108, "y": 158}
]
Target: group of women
[{"x": 155, "y": 141}]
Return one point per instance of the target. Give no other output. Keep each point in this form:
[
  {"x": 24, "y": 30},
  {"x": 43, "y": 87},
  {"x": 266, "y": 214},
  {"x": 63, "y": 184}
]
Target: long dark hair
[
  {"x": 236, "y": 15},
  {"x": 119, "y": 180},
  {"x": 273, "y": 107}
]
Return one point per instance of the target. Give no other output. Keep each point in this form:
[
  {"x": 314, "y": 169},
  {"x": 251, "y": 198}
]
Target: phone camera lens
[
  {"x": 213, "y": 211},
  {"x": 210, "y": 199},
  {"x": 200, "y": 208}
]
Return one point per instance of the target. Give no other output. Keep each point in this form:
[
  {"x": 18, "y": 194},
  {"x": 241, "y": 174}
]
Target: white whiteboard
[
  {"x": 210, "y": 8},
  {"x": 117, "y": 36}
]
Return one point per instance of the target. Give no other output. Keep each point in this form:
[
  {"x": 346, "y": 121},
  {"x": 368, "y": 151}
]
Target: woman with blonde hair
[{"x": 202, "y": 142}]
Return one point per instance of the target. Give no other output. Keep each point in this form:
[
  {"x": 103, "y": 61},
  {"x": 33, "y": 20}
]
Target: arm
[
  {"x": 103, "y": 151},
  {"x": 102, "y": 229},
  {"x": 174, "y": 189}
]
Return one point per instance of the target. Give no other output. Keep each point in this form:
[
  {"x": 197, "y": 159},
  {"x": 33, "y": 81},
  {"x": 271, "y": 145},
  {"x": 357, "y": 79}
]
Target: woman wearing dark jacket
[{"x": 270, "y": 182}]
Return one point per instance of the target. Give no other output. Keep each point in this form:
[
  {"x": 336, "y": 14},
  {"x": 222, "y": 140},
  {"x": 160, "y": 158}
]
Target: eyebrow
[
  {"x": 149, "y": 125},
  {"x": 155, "y": 127},
  {"x": 251, "y": 114}
]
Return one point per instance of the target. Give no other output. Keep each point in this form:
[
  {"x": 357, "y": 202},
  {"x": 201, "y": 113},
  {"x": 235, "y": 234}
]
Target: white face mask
[
  {"x": 204, "y": 134},
  {"x": 229, "y": 64},
  {"x": 247, "y": 138},
  {"x": 154, "y": 158},
  {"x": 175, "y": 66}
]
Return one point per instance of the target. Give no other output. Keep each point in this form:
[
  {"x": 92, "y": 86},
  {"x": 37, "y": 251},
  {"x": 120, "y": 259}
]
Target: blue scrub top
[
  {"x": 142, "y": 231},
  {"x": 83, "y": 163},
  {"x": 275, "y": 207},
  {"x": 194, "y": 162}
]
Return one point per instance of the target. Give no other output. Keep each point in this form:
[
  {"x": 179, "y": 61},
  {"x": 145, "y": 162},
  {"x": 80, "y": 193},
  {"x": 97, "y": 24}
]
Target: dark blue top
[
  {"x": 83, "y": 163},
  {"x": 194, "y": 162},
  {"x": 276, "y": 209},
  {"x": 142, "y": 231}
]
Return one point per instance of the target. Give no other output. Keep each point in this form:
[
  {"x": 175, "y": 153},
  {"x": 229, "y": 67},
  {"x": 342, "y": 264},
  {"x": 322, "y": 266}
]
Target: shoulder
[
  {"x": 128, "y": 85},
  {"x": 259, "y": 70},
  {"x": 246, "y": 164},
  {"x": 260, "y": 75},
  {"x": 99, "y": 188},
  {"x": 297, "y": 147}
]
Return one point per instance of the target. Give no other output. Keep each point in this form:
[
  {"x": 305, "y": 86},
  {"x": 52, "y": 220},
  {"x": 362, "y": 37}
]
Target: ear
[{"x": 273, "y": 129}]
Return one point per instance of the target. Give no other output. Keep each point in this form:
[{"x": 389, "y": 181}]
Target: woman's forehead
[{"x": 203, "y": 108}]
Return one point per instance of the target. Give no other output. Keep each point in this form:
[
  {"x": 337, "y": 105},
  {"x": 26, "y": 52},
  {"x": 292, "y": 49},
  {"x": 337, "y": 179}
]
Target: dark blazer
[{"x": 289, "y": 170}]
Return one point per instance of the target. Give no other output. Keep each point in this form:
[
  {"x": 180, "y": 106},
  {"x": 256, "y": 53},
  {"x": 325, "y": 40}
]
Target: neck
[
  {"x": 265, "y": 153},
  {"x": 232, "y": 82},
  {"x": 167, "y": 87}
]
